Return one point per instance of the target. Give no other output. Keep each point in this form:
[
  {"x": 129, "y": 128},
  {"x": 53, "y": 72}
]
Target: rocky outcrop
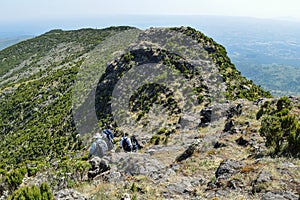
[
  {"x": 235, "y": 111},
  {"x": 69, "y": 194},
  {"x": 227, "y": 168},
  {"x": 98, "y": 166}
]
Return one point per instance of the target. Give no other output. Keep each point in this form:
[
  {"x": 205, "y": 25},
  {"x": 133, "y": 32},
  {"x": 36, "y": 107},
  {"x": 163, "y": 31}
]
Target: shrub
[
  {"x": 280, "y": 129},
  {"x": 15, "y": 178},
  {"x": 271, "y": 130},
  {"x": 294, "y": 141},
  {"x": 29, "y": 193},
  {"x": 282, "y": 103}
]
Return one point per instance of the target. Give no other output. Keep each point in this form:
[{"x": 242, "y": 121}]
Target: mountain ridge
[{"x": 37, "y": 119}]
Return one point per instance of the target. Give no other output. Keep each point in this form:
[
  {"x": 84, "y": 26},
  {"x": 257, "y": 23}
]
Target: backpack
[
  {"x": 109, "y": 134},
  {"x": 125, "y": 144}
]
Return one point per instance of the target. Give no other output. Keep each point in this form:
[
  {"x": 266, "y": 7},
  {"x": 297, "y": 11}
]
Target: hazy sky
[{"x": 12, "y": 11}]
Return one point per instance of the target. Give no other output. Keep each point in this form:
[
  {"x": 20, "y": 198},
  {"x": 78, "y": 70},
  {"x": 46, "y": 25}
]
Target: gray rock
[
  {"x": 187, "y": 153},
  {"x": 229, "y": 125},
  {"x": 206, "y": 116},
  {"x": 227, "y": 168},
  {"x": 98, "y": 166},
  {"x": 182, "y": 187},
  {"x": 262, "y": 181},
  {"x": 69, "y": 194},
  {"x": 234, "y": 111},
  {"x": 264, "y": 176},
  {"x": 114, "y": 177},
  {"x": 139, "y": 164},
  {"x": 279, "y": 196},
  {"x": 189, "y": 122}
]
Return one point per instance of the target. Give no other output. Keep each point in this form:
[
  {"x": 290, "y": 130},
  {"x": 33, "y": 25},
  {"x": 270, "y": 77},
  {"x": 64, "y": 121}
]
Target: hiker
[
  {"x": 108, "y": 137},
  {"x": 135, "y": 143},
  {"x": 99, "y": 147},
  {"x": 125, "y": 143}
]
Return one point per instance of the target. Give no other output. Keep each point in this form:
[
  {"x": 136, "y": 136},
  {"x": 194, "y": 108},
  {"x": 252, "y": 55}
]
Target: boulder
[
  {"x": 206, "y": 116},
  {"x": 229, "y": 125},
  {"x": 227, "y": 168},
  {"x": 187, "y": 153},
  {"x": 264, "y": 176},
  {"x": 98, "y": 166},
  {"x": 241, "y": 141}
]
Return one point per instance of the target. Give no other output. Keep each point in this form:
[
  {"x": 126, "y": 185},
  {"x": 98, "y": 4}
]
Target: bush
[
  {"x": 271, "y": 130},
  {"x": 15, "y": 178},
  {"x": 280, "y": 129},
  {"x": 29, "y": 193},
  {"x": 283, "y": 102},
  {"x": 294, "y": 141}
]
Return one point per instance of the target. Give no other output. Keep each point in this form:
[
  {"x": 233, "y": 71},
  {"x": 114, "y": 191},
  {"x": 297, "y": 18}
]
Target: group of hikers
[{"x": 105, "y": 142}]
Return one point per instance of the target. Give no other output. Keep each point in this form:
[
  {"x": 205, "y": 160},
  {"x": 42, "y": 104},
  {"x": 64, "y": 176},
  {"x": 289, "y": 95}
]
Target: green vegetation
[
  {"x": 15, "y": 177},
  {"x": 36, "y": 122},
  {"x": 29, "y": 193},
  {"x": 280, "y": 128},
  {"x": 159, "y": 139}
]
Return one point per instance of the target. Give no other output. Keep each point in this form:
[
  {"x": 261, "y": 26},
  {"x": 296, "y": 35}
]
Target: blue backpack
[{"x": 109, "y": 134}]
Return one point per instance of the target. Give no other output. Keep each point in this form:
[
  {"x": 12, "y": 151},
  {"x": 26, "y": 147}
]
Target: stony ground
[{"x": 225, "y": 160}]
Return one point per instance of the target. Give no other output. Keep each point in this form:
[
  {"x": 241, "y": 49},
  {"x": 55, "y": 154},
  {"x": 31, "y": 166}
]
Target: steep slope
[
  {"x": 39, "y": 133},
  {"x": 36, "y": 83}
]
